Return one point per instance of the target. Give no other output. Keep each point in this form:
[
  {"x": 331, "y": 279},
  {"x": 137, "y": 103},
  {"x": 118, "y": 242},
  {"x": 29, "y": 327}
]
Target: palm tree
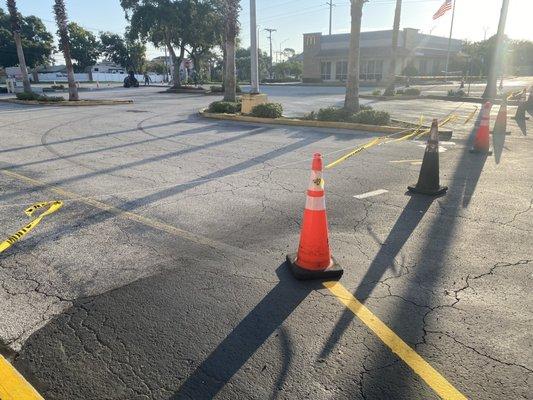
[
  {"x": 351, "y": 101},
  {"x": 61, "y": 20},
  {"x": 395, "y": 34},
  {"x": 15, "y": 28},
  {"x": 231, "y": 31}
]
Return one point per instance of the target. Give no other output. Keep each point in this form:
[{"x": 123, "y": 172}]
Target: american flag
[{"x": 447, "y": 5}]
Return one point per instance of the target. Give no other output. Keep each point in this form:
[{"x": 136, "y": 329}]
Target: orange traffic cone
[
  {"x": 481, "y": 140},
  {"x": 500, "y": 126},
  {"x": 314, "y": 260}
]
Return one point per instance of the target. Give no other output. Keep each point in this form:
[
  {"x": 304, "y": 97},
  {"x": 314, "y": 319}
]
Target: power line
[{"x": 331, "y": 5}]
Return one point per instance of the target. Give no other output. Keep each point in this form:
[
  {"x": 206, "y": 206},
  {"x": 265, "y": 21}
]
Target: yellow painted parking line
[
  {"x": 131, "y": 216},
  {"x": 421, "y": 367},
  {"x": 13, "y": 386},
  {"x": 404, "y": 161}
]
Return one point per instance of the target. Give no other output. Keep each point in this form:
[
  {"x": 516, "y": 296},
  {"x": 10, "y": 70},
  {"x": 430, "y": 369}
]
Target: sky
[{"x": 291, "y": 18}]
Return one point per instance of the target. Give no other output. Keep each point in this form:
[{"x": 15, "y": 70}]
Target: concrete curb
[
  {"x": 301, "y": 122},
  {"x": 80, "y": 103},
  {"x": 477, "y": 100}
]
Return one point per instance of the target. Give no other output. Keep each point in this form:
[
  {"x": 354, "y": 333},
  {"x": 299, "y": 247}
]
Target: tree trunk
[
  {"x": 394, "y": 50},
  {"x": 175, "y": 71},
  {"x": 61, "y": 19},
  {"x": 230, "y": 83},
  {"x": 496, "y": 62},
  {"x": 351, "y": 101},
  {"x": 22, "y": 62}
]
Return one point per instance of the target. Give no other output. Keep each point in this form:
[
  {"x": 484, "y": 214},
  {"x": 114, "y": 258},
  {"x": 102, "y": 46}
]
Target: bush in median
[
  {"x": 458, "y": 93},
  {"x": 371, "y": 117},
  {"x": 411, "y": 92},
  {"x": 37, "y": 97},
  {"x": 268, "y": 110},
  {"x": 224, "y": 107},
  {"x": 333, "y": 114}
]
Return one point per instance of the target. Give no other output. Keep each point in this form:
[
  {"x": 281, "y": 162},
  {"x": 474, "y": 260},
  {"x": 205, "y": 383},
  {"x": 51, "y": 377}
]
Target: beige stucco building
[{"x": 325, "y": 56}]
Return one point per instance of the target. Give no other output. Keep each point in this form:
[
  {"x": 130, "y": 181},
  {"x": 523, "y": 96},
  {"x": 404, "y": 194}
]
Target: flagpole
[{"x": 449, "y": 42}]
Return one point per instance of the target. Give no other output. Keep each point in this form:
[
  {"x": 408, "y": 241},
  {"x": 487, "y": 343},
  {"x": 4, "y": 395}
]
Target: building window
[
  {"x": 325, "y": 70},
  {"x": 341, "y": 70},
  {"x": 379, "y": 70}
]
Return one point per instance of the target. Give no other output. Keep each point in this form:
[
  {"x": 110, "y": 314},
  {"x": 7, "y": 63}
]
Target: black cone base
[
  {"x": 430, "y": 192},
  {"x": 476, "y": 151},
  {"x": 334, "y": 271}
]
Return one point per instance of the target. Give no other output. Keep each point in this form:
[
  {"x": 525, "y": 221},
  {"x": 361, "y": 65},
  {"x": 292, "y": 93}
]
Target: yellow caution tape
[
  {"x": 470, "y": 116},
  {"x": 357, "y": 150},
  {"x": 415, "y": 133},
  {"x": 53, "y": 206}
]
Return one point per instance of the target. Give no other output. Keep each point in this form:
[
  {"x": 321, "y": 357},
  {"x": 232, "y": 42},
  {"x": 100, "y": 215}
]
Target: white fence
[{"x": 97, "y": 76}]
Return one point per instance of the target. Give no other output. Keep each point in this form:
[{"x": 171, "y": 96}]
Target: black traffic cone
[{"x": 428, "y": 181}]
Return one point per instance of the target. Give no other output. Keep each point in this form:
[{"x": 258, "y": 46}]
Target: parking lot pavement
[{"x": 162, "y": 276}]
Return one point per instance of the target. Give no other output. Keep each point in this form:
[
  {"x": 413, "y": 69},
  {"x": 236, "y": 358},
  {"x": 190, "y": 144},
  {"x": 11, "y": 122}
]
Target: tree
[
  {"x": 351, "y": 100},
  {"x": 243, "y": 64},
  {"x": 394, "y": 50},
  {"x": 61, "y": 19},
  {"x": 124, "y": 51},
  {"x": 15, "y": 29},
  {"x": 161, "y": 22},
  {"x": 205, "y": 32},
  {"x": 84, "y": 47},
  {"x": 231, "y": 12},
  {"x": 37, "y": 42}
]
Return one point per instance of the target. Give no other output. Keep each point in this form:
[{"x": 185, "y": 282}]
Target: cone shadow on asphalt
[
  {"x": 248, "y": 336},
  {"x": 423, "y": 277},
  {"x": 402, "y": 230}
]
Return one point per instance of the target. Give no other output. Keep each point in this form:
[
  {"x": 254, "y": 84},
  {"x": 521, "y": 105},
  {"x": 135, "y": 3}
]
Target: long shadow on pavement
[
  {"x": 405, "y": 225},
  {"x": 423, "y": 278},
  {"x": 244, "y": 340}
]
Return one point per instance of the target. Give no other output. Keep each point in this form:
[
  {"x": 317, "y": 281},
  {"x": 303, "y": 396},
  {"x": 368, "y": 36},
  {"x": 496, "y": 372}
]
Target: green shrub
[
  {"x": 268, "y": 110},
  {"x": 220, "y": 89},
  {"x": 333, "y": 114},
  {"x": 376, "y": 92},
  {"x": 225, "y": 107},
  {"x": 28, "y": 96},
  {"x": 365, "y": 107},
  {"x": 399, "y": 91},
  {"x": 371, "y": 117},
  {"x": 389, "y": 92},
  {"x": 458, "y": 93},
  {"x": 57, "y": 87},
  {"x": 411, "y": 92},
  {"x": 51, "y": 99}
]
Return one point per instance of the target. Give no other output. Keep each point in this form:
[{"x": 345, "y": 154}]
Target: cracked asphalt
[{"x": 162, "y": 277}]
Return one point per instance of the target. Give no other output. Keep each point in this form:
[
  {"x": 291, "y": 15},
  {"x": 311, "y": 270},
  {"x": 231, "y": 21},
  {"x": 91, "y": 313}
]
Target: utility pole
[
  {"x": 331, "y": 5},
  {"x": 270, "y": 30},
  {"x": 394, "y": 50},
  {"x": 490, "y": 89},
  {"x": 253, "y": 50}
]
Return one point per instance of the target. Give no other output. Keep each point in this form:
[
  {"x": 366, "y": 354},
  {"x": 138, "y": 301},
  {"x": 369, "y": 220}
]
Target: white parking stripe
[{"x": 370, "y": 194}]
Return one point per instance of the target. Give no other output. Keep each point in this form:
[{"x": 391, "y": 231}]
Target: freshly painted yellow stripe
[
  {"x": 13, "y": 386},
  {"x": 435, "y": 380}
]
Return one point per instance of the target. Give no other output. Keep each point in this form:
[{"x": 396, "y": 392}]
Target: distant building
[{"x": 325, "y": 57}]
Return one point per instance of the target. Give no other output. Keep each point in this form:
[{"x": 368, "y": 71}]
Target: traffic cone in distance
[
  {"x": 481, "y": 140},
  {"x": 500, "y": 126},
  {"x": 314, "y": 260},
  {"x": 428, "y": 180}
]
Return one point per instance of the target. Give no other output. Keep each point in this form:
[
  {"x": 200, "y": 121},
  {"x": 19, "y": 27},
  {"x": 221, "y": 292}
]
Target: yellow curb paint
[
  {"x": 13, "y": 386},
  {"x": 421, "y": 367}
]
